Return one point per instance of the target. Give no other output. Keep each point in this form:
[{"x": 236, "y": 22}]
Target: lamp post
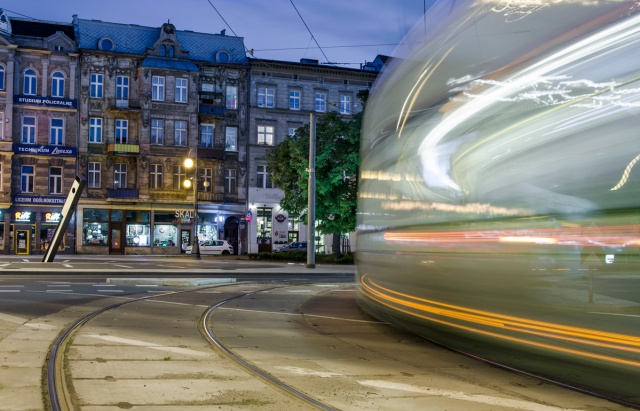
[{"x": 189, "y": 163}]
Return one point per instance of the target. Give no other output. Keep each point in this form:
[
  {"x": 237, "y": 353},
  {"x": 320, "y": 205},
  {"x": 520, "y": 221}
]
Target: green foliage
[{"x": 337, "y": 168}]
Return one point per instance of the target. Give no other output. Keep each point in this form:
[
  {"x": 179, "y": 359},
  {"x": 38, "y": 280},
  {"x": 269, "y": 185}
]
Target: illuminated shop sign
[
  {"x": 23, "y": 216},
  {"x": 61, "y": 151},
  {"x": 45, "y": 101},
  {"x": 51, "y": 217},
  {"x": 19, "y": 199},
  {"x": 183, "y": 216}
]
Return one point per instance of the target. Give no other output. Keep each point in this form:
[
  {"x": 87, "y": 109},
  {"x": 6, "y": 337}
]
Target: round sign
[{"x": 280, "y": 218}]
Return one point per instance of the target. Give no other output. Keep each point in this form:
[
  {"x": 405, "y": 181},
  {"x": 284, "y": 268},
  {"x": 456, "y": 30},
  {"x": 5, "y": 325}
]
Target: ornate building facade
[
  {"x": 149, "y": 99},
  {"x": 38, "y": 132}
]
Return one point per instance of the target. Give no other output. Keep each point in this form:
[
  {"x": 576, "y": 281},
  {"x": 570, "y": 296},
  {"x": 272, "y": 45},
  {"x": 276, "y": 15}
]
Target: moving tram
[{"x": 499, "y": 200}]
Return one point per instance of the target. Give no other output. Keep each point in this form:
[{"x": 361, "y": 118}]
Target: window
[
  {"x": 265, "y": 135},
  {"x": 321, "y": 102},
  {"x": 181, "y": 90},
  {"x": 55, "y": 180},
  {"x": 56, "y": 131},
  {"x": 28, "y": 130},
  {"x": 122, "y": 91},
  {"x": 95, "y": 130},
  {"x": 157, "y": 131},
  {"x": 163, "y": 50},
  {"x": 57, "y": 84},
  {"x": 157, "y": 88},
  {"x": 292, "y": 131},
  {"x": 106, "y": 44},
  {"x": 179, "y": 175},
  {"x": 95, "y": 90},
  {"x": 266, "y": 97},
  {"x": 263, "y": 221},
  {"x": 231, "y": 139},
  {"x": 119, "y": 175},
  {"x": 345, "y": 104},
  {"x": 230, "y": 181},
  {"x": 294, "y": 100},
  {"x": 207, "y": 176},
  {"x": 155, "y": 177},
  {"x": 2, "y": 74},
  {"x": 93, "y": 170},
  {"x": 206, "y": 135},
  {"x": 263, "y": 178},
  {"x": 122, "y": 129},
  {"x": 27, "y": 178},
  {"x": 30, "y": 83},
  {"x": 180, "y": 133},
  {"x": 232, "y": 97}
]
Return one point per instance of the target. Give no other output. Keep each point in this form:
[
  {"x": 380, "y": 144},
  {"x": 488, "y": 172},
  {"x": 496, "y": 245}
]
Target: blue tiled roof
[
  {"x": 134, "y": 39},
  {"x": 173, "y": 64}
]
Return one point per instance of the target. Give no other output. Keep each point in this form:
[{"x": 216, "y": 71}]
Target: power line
[{"x": 309, "y": 30}]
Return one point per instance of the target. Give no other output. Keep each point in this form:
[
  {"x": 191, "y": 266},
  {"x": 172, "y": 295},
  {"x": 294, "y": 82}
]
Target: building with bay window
[
  {"x": 149, "y": 98},
  {"x": 281, "y": 97},
  {"x": 38, "y": 132}
]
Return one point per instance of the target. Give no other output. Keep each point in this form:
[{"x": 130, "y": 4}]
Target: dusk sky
[{"x": 349, "y": 32}]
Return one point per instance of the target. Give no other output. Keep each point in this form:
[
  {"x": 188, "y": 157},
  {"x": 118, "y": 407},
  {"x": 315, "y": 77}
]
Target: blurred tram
[{"x": 499, "y": 200}]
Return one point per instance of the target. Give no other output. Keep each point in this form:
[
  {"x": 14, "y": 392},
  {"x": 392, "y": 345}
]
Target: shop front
[
  {"x": 152, "y": 231},
  {"x": 31, "y": 230}
]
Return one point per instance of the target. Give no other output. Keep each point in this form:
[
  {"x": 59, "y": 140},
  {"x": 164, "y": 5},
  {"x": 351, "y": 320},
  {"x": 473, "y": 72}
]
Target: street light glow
[{"x": 188, "y": 163}]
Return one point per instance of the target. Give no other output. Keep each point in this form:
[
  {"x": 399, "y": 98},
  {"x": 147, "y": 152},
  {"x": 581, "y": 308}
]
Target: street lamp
[{"x": 189, "y": 163}]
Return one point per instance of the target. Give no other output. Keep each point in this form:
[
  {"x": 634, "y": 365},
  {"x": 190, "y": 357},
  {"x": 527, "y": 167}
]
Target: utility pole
[{"x": 311, "y": 207}]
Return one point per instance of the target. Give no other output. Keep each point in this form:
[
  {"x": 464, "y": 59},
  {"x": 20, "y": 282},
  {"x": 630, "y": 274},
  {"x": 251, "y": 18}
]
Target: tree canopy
[{"x": 337, "y": 165}]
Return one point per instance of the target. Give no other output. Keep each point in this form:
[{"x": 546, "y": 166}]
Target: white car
[{"x": 214, "y": 247}]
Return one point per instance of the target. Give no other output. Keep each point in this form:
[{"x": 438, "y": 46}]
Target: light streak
[
  {"x": 471, "y": 318},
  {"x": 626, "y": 173}
]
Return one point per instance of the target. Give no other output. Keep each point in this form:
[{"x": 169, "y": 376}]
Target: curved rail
[{"x": 203, "y": 327}]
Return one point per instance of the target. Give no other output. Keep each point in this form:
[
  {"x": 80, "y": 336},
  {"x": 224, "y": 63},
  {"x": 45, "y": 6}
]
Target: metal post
[
  {"x": 311, "y": 206},
  {"x": 195, "y": 250}
]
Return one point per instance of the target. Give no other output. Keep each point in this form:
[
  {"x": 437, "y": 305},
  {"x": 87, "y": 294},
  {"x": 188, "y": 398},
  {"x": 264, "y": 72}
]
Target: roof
[
  {"x": 172, "y": 64},
  {"x": 37, "y": 28},
  {"x": 135, "y": 39}
]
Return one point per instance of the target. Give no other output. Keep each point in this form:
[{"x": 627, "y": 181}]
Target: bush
[{"x": 302, "y": 256}]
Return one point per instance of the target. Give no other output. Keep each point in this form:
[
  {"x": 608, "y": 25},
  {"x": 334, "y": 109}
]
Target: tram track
[{"x": 59, "y": 394}]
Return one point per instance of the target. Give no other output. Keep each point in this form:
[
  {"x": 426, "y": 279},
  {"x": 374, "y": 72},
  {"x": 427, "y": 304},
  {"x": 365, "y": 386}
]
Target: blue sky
[{"x": 350, "y": 32}]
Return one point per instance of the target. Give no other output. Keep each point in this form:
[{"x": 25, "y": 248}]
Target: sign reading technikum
[
  {"x": 63, "y": 151},
  {"x": 45, "y": 101}
]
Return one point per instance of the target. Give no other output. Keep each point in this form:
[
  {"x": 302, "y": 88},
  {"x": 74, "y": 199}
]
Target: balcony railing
[
  {"x": 212, "y": 110},
  {"x": 124, "y": 104},
  {"x": 117, "y": 148},
  {"x": 122, "y": 192}
]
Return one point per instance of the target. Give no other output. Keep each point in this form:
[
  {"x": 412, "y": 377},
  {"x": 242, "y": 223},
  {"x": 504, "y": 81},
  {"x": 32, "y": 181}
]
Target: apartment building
[
  {"x": 281, "y": 97},
  {"x": 38, "y": 132},
  {"x": 150, "y": 98}
]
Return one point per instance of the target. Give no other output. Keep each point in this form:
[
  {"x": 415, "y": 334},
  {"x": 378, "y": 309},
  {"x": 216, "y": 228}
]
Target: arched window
[
  {"x": 171, "y": 51},
  {"x": 2, "y": 77},
  {"x": 163, "y": 50},
  {"x": 30, "y": 83},
  {"x": 57, "y": 84}
]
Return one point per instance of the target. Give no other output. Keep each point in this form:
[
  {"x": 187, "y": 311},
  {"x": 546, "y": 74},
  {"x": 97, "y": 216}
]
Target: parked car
[
  {"x": 214, "y": 247},
  {"x": 295, "y": 246}
]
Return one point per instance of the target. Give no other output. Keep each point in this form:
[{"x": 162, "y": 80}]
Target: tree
[{"x": 337, "y": 165}]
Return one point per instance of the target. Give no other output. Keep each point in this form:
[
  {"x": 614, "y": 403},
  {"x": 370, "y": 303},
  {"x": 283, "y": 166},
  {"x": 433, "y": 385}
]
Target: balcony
[
  {"x": 123, "y": 105},
  {"x": 211, "y": 153},
  {"x": 118, "y": 148},
  {"x": 212, "y": 110},
  {"x": 122, "y": 193}
]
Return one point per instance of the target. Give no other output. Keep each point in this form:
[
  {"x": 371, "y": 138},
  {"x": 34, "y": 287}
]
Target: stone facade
[
  {"x": 38, "y": 129},
  {"x": 282, "y": 96}
]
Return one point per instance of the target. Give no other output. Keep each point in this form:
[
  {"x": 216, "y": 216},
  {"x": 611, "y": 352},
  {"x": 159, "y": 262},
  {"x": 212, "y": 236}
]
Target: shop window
[
  {"x": 165, "y": 231},
  {"x": 138, "y": 235},
  {"x": 95, "y": 227}
]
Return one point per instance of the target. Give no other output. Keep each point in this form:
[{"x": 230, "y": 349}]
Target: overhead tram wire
[{"x": 309, "y": 30}]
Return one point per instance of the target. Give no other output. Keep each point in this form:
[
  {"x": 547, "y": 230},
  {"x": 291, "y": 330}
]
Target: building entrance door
[
  {"x": 115, "y": 243},
  {"x": 231, "y": 233},
  {"x": 23, "y": 241},
  {"x": 185, "y": 240}
]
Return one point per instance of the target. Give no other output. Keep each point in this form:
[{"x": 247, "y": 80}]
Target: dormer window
[
  {"x": 163, "y": 51},
  {"x": 223, "y": 56},
  {"x": 106, "y": 44},
  {"x": 171, "y": 51}
]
